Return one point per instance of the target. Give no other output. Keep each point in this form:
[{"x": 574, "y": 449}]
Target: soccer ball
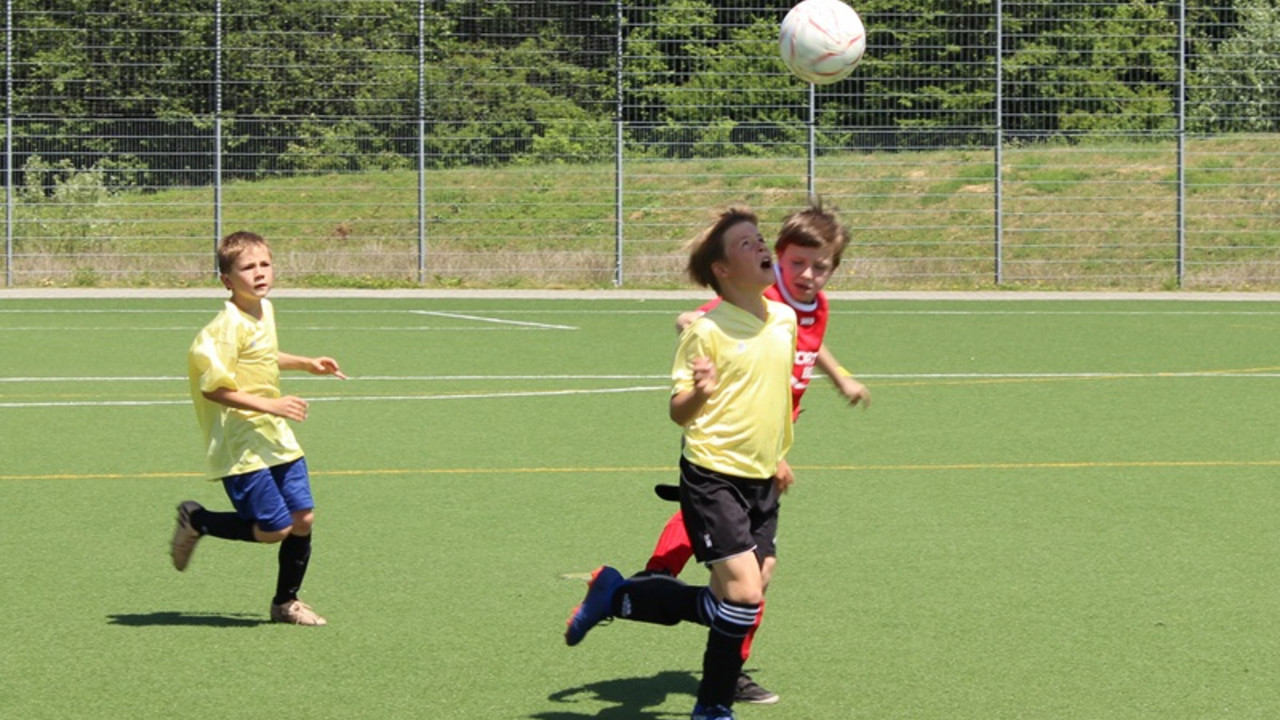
[{"x": 822, "y": 41}]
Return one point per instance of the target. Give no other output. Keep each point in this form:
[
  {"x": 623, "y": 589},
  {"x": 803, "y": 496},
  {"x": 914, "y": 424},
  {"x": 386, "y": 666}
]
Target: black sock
[
  {"x": 295, "y": 553},
  {"x": 722, "y": 662},
  {"x": 225, "y": 525},
  {"x": 663, "y": 600}
]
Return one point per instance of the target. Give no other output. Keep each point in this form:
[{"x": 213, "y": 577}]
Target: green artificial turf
[{"x": 1050, "y": 510}]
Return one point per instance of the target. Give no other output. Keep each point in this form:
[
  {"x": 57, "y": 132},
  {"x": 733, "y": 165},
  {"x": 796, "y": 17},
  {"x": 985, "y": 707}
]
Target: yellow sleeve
[
  {"x": 692, "y": 345},
  {"x": 213, "y": 360}
]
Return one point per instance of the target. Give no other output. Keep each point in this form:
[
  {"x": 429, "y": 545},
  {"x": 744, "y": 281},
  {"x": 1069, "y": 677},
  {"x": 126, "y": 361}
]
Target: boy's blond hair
[
  {"x": 707, "y": 248},
  {"x": 234, "y": 244},
  {"x": 815, "y": 227}
]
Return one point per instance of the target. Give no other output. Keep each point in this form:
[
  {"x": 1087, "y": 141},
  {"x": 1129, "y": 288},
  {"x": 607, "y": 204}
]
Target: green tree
[
  {"x": 1234, "y": 86},
  {"x": 1080, "y": 67},
  {"x": 929, "y": 66},
  {"x": 489, "y": 104}
]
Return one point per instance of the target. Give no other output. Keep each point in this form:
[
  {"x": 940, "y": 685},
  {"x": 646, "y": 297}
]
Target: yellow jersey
[
  {"x": 240, "y": 352},
  {"x": 745, "y": 428}
]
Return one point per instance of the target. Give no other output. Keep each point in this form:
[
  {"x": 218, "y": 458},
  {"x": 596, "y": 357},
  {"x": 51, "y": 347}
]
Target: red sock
[
  {"x": 751, "y": 634},
  {"x": 673, "y": 549}
]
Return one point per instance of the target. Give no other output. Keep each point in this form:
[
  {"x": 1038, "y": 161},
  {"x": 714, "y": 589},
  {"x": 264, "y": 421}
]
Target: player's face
[
  {"x": 251, "y": 275},
  {"x": 747, "y": 257},
  {"x": 805, "y": 270}
]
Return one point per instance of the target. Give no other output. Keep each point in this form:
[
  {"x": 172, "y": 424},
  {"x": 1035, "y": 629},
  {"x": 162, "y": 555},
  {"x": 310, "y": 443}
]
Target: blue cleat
[
  {"x": 711, "y": 712},
  {"x": 596, "y": 607}
]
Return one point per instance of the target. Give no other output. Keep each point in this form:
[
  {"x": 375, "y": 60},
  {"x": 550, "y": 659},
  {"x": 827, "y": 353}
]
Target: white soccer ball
[{"x": 822, "y": 41}]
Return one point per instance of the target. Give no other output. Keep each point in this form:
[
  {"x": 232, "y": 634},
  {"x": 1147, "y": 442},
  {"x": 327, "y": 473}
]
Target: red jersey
[{"x": 811, "y": 326}]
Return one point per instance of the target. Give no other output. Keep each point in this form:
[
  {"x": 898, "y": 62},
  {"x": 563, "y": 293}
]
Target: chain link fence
[{"x": 381, "y": 143}]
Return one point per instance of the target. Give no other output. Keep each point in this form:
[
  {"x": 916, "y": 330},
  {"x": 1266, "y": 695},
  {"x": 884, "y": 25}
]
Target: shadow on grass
[
  {"x": 177, "y": 618},
  {"x": 634, "y": 698}
]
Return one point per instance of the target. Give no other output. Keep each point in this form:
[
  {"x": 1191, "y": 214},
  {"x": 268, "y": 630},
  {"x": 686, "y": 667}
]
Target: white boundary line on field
[
  {"x": 481, "y": 318},
  {"x": 348, "y": 398},
  {"x": 1267, "y": 372},
  {"x": 315, "y": 378},
  {"x": 624, "y": 294},
  {"x": 910, "y": 377}
]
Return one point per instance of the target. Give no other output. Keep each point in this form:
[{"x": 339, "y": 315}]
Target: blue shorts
[{"x": 270, "y": 496}]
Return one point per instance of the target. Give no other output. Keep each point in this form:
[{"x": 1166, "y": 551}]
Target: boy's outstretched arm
[
  {"x": 853, "y": 390},
  {"x": 315, "y": 365}
]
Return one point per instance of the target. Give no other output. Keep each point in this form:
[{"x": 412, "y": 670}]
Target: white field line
[
  {"x": 1269, "y": 372},
  {"x": 361, "y": 378},
  {"x": 836, "y": 309},
  {"x": 975, "y": 377},
  {"x": 511, "y": 327},
  {"x": 485, "y": 314},
  {"x": 483, "y": 318},
  {"x": 689, "y": 294},
  {"x": 501, "y": 323},
  {"x": 352, "y": 398}
]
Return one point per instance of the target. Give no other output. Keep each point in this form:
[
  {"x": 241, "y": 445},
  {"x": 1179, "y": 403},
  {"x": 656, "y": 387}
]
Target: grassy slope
[{"x": 1078, "y": 216}]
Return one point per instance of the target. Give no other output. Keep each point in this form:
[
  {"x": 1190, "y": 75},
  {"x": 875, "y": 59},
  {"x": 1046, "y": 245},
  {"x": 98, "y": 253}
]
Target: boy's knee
[
  {"x": 302, "y": 522},
  {"x": 271, "y": 536},
  {"x": 767, "y": 567}
]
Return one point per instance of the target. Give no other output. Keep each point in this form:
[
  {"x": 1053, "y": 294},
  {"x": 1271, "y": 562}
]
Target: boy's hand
[
  {"x": 686, "y": 404},
  {"x": 315, "y": 365},
  {"x": 854, "y": 391},
  {"x": 704, "y": 375},
  {"x": 685, "y": 319},
  {"x": 784, "y": 477},
  {"x": 325, "y": 366},
  {"x": 289, "y": 406}
]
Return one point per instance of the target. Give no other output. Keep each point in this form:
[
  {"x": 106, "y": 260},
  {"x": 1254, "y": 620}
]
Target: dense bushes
[{"x": 337, "y": 85}]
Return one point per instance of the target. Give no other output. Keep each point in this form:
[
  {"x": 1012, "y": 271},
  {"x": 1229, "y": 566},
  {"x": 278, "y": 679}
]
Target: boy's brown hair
[
  {"x": 707, "y": 248},
  {"x": 233, "y": 245},
  {"x": 814, "y": 227}
]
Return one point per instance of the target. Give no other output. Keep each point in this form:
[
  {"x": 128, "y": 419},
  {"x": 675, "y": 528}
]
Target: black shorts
[{"x": 727, "y": 515}]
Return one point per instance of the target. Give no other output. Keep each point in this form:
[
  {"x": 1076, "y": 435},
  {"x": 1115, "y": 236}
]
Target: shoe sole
[
  {"x": 321, "y": 622},
  {"x": 184, "y": 526}
]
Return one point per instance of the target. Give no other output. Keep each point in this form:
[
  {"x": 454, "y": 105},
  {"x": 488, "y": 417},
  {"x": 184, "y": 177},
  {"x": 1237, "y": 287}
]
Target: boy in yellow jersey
[
  {"x": 731, "y": 393},
  {"x": 234, "y": 369},
  {"x": 806, "y": 254}
]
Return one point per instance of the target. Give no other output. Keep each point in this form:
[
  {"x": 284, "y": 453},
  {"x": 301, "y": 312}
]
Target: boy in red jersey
[{"x": 808, "y": 249}]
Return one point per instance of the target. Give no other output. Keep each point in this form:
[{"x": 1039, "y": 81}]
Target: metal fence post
[
  {"x": 422, "y": 142},
  {"x": 997, "y": 182},
  {"x": 812, "y": 169},
  {"x": 619, "y": 161},
  {"x": 8, "y": 144},
  {"x": 217, "y": 131},
  {"x": 1182, "y": 144}
]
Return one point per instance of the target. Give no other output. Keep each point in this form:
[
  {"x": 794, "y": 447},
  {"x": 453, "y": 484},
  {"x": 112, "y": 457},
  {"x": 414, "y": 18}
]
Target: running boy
[
  {"x": 809, "y": 248},
  {"x": 234, "y": 369},
  {"x": 730, "y": 394}
]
